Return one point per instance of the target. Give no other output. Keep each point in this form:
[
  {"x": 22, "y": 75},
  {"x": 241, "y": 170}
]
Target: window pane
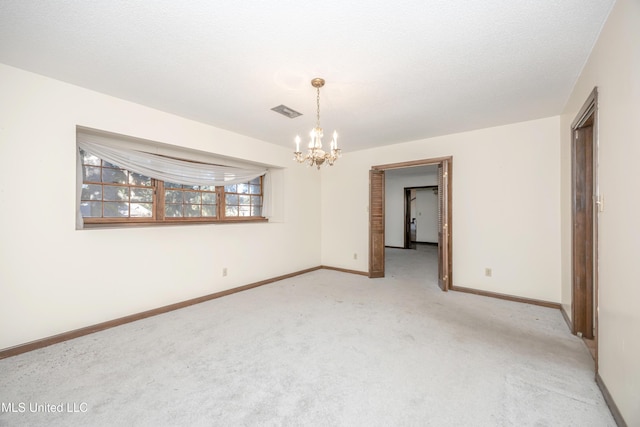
[
  {"x": 115, "y": 176},
  {"x": 173, "y": 196},
  {"x": 256, "y": 210},
  {"x": 115, "y": 209},
  {"x": 106, "y": 164},
  {"x": 255, "y": 181},
  {"x": 91, "y": 209},
  {"x": 89, "y": 159},
  {"x": 208, "y": 188},
  {"x": 231, "y": 199},
  {"x": 142, "y": 210},
  {"x": 208, "y": 210},
  {"x": 256, "y": 200},
  {"x": 116, "y": 193},
  {"x": 137, "y": 179},
  {"x": 91, "y": 192},
  {"x": 172, "y": 211},
  {"x": 91, "y": 174},
  {"x": 191, "y": 197},
  {"x": 172, "y": 185},
  {"x": 209, "y": 198},
  {"x": 230, "y": 188},
  {"x": 245, "y": 210},
  {"x": 192, "y": 210},
  {"x": 255, "y": 189},
  {"x": 231, "y": 210},
  {"x": 141, "y": 195},
  {"x": 244, "y": 200},
  {"x": 243, "y": 188}
]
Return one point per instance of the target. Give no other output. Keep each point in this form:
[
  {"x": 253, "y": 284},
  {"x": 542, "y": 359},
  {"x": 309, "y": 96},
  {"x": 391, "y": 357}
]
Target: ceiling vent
[{"x": 286, "y": 111}]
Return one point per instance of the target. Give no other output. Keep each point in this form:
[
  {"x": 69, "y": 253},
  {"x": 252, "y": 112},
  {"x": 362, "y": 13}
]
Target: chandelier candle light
[{"x": 316, "y": 155}]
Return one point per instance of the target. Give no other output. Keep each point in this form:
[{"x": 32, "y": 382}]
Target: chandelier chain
[{"x": 318, "y": 105}]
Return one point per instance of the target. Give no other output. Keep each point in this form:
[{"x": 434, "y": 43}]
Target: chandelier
[{"x": 315, "y": 154}]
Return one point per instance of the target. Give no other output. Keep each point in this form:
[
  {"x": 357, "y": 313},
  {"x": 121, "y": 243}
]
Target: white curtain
[
  {"x": 171, "y": 170},
  {"x": 168, "y": 169}
]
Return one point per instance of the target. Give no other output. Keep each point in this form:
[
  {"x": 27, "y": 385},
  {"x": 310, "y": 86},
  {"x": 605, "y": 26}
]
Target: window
[
  {"x": 112, "y": 194},
  {"x": 243, "y": 199},
  {"x": 189, "y": 201}
]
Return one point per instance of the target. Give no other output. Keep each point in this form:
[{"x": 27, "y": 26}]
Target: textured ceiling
[{"x": 395, "y": 71}]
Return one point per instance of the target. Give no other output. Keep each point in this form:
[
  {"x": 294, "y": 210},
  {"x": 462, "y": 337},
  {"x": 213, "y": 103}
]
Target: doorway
[
  {"x": 584, "y": 202},
  {"x": 377, "y": 217},
  {"x": 421, "y": 216}
]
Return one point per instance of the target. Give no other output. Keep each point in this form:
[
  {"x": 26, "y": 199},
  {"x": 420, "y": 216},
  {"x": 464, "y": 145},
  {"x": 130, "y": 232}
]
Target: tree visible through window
[
  {"x": 111, "y": 194},
  {"x": 189, "y": 201},
  {"x": 243, "y": 199}
]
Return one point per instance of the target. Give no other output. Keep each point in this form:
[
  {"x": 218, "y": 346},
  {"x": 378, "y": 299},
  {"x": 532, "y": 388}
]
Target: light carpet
[{"x": 321, "y": 349}]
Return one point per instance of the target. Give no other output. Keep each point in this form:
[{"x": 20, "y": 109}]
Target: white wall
[
  {"x": 506, "y": 212},
  {"x": 394, "y": 202},
  {"x": 54, "y": 278},
  {"x": 614, "y": 67},
  {"x": 426, "y": 216}
]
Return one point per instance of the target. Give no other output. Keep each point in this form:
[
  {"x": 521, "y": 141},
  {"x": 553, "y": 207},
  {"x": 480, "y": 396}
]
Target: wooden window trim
[{"x": 98, "y": 223}]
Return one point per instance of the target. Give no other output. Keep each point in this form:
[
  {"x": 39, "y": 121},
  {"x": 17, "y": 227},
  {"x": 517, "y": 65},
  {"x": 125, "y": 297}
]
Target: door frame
[
  {"x": 445, "y": 228},
  {"x": 584, "y": 303}
]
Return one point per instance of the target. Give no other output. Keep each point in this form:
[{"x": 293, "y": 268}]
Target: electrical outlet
[
  {"x": 355, "y": 255},
  {"x": 224, "y": 272},
  {"x": 487, "y": 272}
]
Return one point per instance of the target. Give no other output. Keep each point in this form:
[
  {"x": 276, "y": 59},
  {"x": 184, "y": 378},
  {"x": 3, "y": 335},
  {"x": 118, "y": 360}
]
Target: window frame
[{"x": 158, "y": 217}]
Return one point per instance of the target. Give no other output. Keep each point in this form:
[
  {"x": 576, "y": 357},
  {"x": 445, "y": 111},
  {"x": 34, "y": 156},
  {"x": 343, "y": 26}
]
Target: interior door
[
  {"x": 582, "y": 236},
  {"x": 376, "y": 223},
  {"x": 444, "y": 262}
]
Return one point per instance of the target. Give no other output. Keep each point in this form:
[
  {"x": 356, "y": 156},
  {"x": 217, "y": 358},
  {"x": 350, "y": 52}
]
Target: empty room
[{"x": 280, "y": 213}]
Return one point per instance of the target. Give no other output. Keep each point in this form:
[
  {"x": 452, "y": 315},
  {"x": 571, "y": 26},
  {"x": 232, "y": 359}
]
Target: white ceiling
[{"x": 395, "y": 71}]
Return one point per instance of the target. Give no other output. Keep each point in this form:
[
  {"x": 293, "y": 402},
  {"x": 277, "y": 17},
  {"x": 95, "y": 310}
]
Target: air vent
[{"x": 286, "y": 111}]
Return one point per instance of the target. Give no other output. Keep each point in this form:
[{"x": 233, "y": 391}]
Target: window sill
[{"x": 101, "y": 223}]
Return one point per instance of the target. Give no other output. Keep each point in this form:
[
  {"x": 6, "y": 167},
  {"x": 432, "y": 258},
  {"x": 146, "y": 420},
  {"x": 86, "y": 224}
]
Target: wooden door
[
  {"x": 582, "y": 232},
  {"x": 444, "y": 254},
  {"x": 376, "y": 223}
]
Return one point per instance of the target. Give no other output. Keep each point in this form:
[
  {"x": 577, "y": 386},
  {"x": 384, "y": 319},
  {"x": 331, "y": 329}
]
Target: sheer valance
[{"x": 169, "y": 169}]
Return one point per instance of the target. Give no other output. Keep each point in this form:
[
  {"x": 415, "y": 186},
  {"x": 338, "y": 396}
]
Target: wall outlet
[
  {"x": 224, "y": 272},
  {"x": 355, "y": 255},
  {"x": 487, "y": 272}
]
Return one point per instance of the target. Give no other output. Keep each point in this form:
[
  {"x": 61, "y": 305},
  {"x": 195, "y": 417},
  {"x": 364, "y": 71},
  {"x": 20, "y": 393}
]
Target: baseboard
[
  {"x": 65, "y": 336},
  {"x": 506, "y": 297},
  {"x": 566, "y": 318},
  {"x": 617, "y": 416},
  {"x": 344, "y": 270}
]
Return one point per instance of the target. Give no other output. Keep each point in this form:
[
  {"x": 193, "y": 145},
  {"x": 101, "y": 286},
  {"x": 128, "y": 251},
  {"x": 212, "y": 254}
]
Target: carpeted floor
[{"x": 321, "y": 349}]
